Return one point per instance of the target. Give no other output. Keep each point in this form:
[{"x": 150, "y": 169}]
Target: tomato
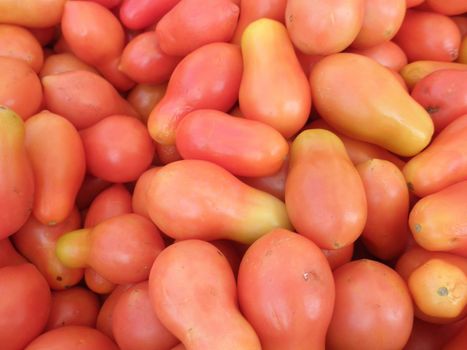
[
  {"x": 420, "y": 41},
  {"x": 108, "y": 3},
  {"x": 121, "y": 249},
  {"x": 338, "y": 257},
  {"x": 44, "y": 36},
  {"x": 323, "y": 27},
  {"x": 413, "y": 3},
  {"x": 196, "y": 270},
  {"x": 243, "y": 147},
  {"x": 381, "y": 21},
  {"x": 195, "y": 85},
  {"x": 438, "y": 220},
  {"x": 457, "y": 342},
  {"x": 269, "y": 56},
  {"x": 139, "y": 14},
  {"x": 444, "y": 95},
  {"x": 415, "y": 71},
  {"x": 373, "y": 309},
  {"x": 387, "y": 53},
  {"x": 442, "y": 163},
  {"x": 463, "y": 51},
  {"x": 16, "y": 182},
  {"x": 189, "y": 26},
  {"x": 230, "y": 208},
  {"x": 144, "y": 61},
  {"x": 24, "y": 305},
  {"x": 324, "y": 194},
  {"x": 250, "y": 11},
  {"x": 110, "y": 70},
  {"x": 386, "y": 229},
  {"x": 105, "y": 316},
  {"x": 144, "y": 97},
  {"x": 139, "y": 199},
  {"x": 72, "y": 338},
  {"x": 63, "y": 62},
  {"x": 231, "y": 251},
  {"x": 84, "y": 98},
  {"x": 167, "y": 153},
  {"x": 308, "y": 61},
  {"x": 19, "y": 43},
  {"x": 135, "y": 325},
  {"x": 122, "y": 158},
  {"x": 31, "y": 13},
  {"x": 96, "y": 283},
  {"x": 90, "y": 188},
  {"x": 452, "y": 7},
  {"x": 73, "y": 307},
  {"x": 393, "y": 119},
  {"x": 461, "y": 22},
  {"x": 20, "y": 87},
  {"x": 37, "y": 242},
  {"x": 113, "y": 201},
  {"x": 293, "y": 309},
  {"x": 93, "y": 33},
  {"x": 9, "y": 255},
  {"x": 57, "y": 157}
]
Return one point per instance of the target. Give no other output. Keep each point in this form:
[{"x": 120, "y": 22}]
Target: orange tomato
[
  {"x": 392, "y": 119},
  {"x": 96, "y": 283},
  {"x": 381, "y": 21},
  {"x": 323, "y": 27},
  {"x": 73, "y": 307},
  {"x": 16, "y": 181},
  {"x": 293, "y": 309},
  {"x": 196, "y": 270},
  {"x": 140, "y": 192},
  {"x": 188, "y": 26},
  {"x": 32, "y": 13},
  {"x": 37, "y": 243},
  {"x": 265, "y": 95},
  {"x": 442, "y": 163},
  {"x": 167, "y": 153},
  {"x": 324, "y": 194},
  {"x": 420, "y": 41},
  {"x": 20, "y": 87},
  {"x": 338, "y": 257},
  {"x": 63, "y": 62},
  {"x": 387, "y": 54},
  {"x": 135, "y": 325},
  {"x": 230, "y": 208},
  {"x": 195, "y": 85},
  {"x": 243, "y": 147},
  {"x": 452, "y": 7},
  {"x": 19, "y": 43},
  {"x": 378, "y": 298},
  {"x": 415, "y": 71}
]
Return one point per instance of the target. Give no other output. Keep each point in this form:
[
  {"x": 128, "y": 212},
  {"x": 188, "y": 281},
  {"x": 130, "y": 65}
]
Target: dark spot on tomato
[
  {"x": 418, "y": 228},
  {"x": 59, "y": 278},
  {"x": 443, "y": 291},
  {"x": 431, "y": 109}
]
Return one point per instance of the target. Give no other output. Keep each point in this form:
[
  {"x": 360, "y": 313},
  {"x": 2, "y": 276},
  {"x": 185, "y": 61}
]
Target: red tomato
[
  {"x": 143, "y": 98},
  {"x": 97, "y": 283},
  {"x": 338, "y": 257},
  {"x": 73, "y": 307},
  {"x": 24, "y": 305},
  {"x": 72, "y": 338},
  {"x": 387, "y": 53},
  {"x": 90, "y": 188},
  {"x": 63, "y": 62},
  {"x": 139, "y": 14},
  {"x": 122, "y": 157},
  {"x": 8, "y": 254},
  {"x": 140, "y": 192}
]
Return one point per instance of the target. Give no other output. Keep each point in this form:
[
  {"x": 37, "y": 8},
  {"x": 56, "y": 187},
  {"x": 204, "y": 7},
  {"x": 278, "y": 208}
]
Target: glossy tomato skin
[
  {"x": 268, "y": 56},
  {"x": 139, "y": 14},
  {"x": 387, "y": 53},
  {"x": 135, "y": 325},
  {"x": 16, "y": 182},
  {"x": 30, "y": 13},
  {"x": 57, "y": 156},
  {"x": 381, "y": 21},
  {"x": 386, "y": 230},
  {"x": 230, "y": 208},
  {"x": 189, "y": 26},
  {"x": 442, "y": 163},
  {"x": 444, "y": 96},
  {"x": 250, "y": 11},
  {"x": 292, "y": 310},
  {"x": 19, "y": 43},
  {"x": 244, "y": 147},
  {"x": 37, "y": 241},
  {"x": 144, "y": 61},
  {"x": 73, "y": 307},
  {"x": 373, "y": 308},
  {"x": 122, "y": 157},
  {"x": 420, "y": 41},
  {"x": 437, "y": 221},
  {"x": 195, "y": 85},
  {"x": 84, "y": 98},
  {"x": 92, "y": 32},
  {"x": 20, "y": 87},
  {"x": 206, "y": 277},
  {"x": 24, "y": 306},
  {"x": 394, "y": 120},
  {"x": 113, "y": 201},
  {"x": 324, "y": 194},
  {"x": 323, "y": 27},
  {"x": 72, "y": 338}
]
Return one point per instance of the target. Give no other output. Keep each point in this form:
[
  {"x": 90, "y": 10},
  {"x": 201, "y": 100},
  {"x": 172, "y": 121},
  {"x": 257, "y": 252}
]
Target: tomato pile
[{"x": 233, "y": 174}]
